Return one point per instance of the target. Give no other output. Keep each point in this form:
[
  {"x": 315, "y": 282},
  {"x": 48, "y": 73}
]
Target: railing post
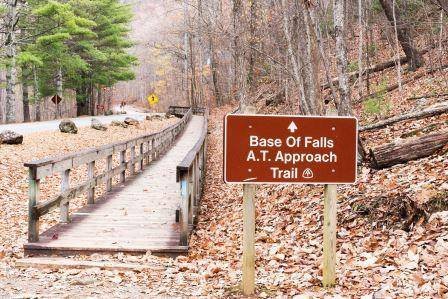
[
  {"x": 184, "y": 190},
  {"x": 193, "y": 182},
  {"x": 122, "y": 163},
  {"x": 132, "y": 162},
  {"x": 109, "y": 175},
  {"x": 91, "y": 175},
  {"x": 64, "y": 206},
  {"x": 141, "y": 157},
  {"x": 33, "y": 218},
  {"x": 148, "y": 151},
  {"x": 203, "y": 166},
  {"x": 154, "y": 149},
  {"x": 196, "y": 179}
]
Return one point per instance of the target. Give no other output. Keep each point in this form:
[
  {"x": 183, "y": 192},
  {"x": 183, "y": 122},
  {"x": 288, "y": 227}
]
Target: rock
[
  {"x": 10, "y": 137},
  {"x": 97, "y": 125},
  {"x": 68, "y": 126},
  {"x": 117, "y": 123},
  {"x": 154, "y": 117},
  {"x": 131, "y": 121},
  {"x": 169, "y": 115},
  {"x": 108, "y": 112}
]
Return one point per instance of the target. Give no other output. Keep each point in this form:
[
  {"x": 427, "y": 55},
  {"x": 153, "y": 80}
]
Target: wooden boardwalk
[{"x": 138, "y": 216}]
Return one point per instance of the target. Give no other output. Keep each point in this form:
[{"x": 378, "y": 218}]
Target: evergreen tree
[{"x": 108, "y": 60}]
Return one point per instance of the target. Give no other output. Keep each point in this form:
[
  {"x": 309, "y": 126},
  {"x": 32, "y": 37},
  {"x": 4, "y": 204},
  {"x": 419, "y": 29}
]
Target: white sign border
[{"x": 289, "y": 116}]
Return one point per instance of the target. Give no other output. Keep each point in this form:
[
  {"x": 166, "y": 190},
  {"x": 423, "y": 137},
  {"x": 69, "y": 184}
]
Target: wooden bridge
[{"x": 153, "y": 208}]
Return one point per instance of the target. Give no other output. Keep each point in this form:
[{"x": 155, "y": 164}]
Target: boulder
[
  {"x": 131, "y": 121},
  {"x": 97, "y": 125},
  {"x": 108, "y": 112},
  {"x": 168, "y": 115},
  {"x": 154, "y": 117},
  {"x": 117, "y": 123},
  {"x": 10, "y": 137},
  {"x": 68, "y": 126}
]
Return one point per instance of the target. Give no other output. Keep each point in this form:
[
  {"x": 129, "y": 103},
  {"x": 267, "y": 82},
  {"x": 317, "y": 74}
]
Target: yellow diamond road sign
[{"x": 153, "y": 99}]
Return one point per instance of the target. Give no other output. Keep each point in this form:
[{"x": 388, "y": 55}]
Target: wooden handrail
[
  {"x": 149, "y": 148},
  {"x": 190, "y": 173},
  {"x": 180, "y": 110}
]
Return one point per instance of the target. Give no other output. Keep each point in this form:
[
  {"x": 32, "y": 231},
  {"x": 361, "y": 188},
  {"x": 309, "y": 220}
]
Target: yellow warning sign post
[{"x": 153, "y": 99}]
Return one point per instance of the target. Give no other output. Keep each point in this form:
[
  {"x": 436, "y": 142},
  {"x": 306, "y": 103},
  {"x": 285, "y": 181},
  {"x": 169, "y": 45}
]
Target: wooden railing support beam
[
  {"x": 91, "y": 175},
  {"x": 33, "y": 218},
  {"x": 64, "y": 206},
  {"x": 184, "y": 188}
]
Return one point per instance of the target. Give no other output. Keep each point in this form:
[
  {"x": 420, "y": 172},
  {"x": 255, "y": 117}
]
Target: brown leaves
[{"x": 376, "y": 257}]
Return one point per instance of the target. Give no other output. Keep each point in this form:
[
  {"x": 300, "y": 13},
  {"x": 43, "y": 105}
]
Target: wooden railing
[
  {"x": 148, "y": 147},
  {"x": 181, "y": 110},
  {"x": 191, "y": 174}
]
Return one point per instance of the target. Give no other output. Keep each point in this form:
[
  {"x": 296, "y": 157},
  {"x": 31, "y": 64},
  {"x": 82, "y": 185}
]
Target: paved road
[{"x": 53, "y": 125}]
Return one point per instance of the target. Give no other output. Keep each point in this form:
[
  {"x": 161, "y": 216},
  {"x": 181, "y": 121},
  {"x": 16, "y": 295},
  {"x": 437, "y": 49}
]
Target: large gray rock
[
  {"x": 117, "y": 123},
  {"x": 97, "y": 125},
  {"x": 154, "y": 117},
  {"x": 68, "y": 126},
  {"x": 131, "y": 121},
  {"x": 108, "y": 112},
  {"x": 10, "y": 137}
]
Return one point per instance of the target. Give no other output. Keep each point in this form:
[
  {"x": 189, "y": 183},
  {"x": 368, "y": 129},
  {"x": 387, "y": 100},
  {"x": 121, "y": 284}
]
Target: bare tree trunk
[
  {"x": 344, "y": 107},
  {"x": 11, "y": 74},
  {"x": 369, "y": 34},
  {"x": 26, "y": 103},
  {"x": 441, "y": 108},
  {"x": 36, "y": 94},
  {"x": 214, "y": 67},
  {"x": 92, "y": 101},
  {"x": 239, "y": 57},
  {"x": 59, "y": 90},
  {"x": 10, "y": 104},
  {"x": 303, "y": 103},
  {"x": 193, "y": 88},
  {"x": 214, "y": 9},
  {"x": 398, "y": 63},
  {"x": 252, "y": 42},
  {"x": 311, "y": 61},
  {"x": 360, "y": 47},
  {"x": 404, "y": 34},
  {"x": 326, "y": 63},
  {"x": 200, "y": 55},
  {"x": 186, "y": 54},
  {"x": 395, "y": 153}
]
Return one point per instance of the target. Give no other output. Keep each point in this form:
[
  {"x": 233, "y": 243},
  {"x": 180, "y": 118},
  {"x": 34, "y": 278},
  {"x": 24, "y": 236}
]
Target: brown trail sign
[
  {"x": 275, "y": 149},
  {"x": 289, "y": 149}
]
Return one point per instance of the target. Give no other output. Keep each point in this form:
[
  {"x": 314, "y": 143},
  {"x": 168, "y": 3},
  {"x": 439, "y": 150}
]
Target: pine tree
[{"x": 109, "y": 62}]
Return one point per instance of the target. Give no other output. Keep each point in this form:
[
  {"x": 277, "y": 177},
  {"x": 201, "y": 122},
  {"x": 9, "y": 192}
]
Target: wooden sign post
[
  {"x": 248, "y": 284},
  {"x": 285, "y": 149},
  {"x": 330, "y": 221}
]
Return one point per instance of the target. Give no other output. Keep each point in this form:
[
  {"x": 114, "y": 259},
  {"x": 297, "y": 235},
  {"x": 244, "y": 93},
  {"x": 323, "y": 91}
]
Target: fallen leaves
[{"x": 377, "y": 258}]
